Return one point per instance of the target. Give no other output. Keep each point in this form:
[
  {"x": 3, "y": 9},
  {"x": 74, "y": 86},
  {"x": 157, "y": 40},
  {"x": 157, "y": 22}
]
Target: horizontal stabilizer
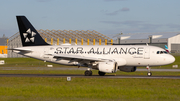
[{"x": 22, "y": 50}]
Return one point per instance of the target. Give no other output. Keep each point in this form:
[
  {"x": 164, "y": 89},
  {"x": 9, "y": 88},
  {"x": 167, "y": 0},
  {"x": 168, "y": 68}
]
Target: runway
[
  {"x": 70, "y": 68},
  {"x": 93, "y": 76},
  {"x": 81, "y": 75}
]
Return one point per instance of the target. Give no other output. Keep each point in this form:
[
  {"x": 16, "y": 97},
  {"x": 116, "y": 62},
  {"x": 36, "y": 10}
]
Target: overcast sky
[{"x": 108, "y": 17}]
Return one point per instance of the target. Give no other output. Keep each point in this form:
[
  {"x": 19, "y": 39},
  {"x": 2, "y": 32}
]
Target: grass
[{"x": 80, "y": 89}]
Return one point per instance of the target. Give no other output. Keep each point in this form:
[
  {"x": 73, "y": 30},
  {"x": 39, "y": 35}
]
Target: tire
[
  {"x": 101, "y": 73},
  {"x": 88, "y": 73},
  {"x": 149, "y": 74}
]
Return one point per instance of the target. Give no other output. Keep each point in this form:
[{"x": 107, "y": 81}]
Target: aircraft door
[
  {"x": 46, "y": 52},
  {"x": 147, "y": 53}
]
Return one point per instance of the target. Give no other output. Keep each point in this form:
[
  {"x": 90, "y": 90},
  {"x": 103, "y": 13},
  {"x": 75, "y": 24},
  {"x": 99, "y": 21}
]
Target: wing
[
  {"x": 78, "y": 57},
  {"x": 84, "y": 59}
]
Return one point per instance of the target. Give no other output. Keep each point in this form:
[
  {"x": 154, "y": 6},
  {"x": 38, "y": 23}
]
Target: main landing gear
[
  {"x": 149, "y": 71},
  {"x": 88, "y": 72},
  {"x": 101, "y": 73}
]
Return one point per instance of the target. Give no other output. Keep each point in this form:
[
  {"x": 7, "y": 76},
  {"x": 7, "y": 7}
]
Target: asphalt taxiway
[
  {"x": 93, "y": 76},
  {"x": 82, "y": 68},
  {"x": 82, "y": 76}
]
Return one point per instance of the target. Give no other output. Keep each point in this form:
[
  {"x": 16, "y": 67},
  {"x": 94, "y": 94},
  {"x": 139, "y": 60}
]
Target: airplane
[
  {"x": 105, "y": 58},
  {"x": 167, "y": 50}
]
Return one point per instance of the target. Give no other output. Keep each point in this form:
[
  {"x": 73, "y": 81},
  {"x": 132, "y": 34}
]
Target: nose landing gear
[{"x": 149, "y": 71}]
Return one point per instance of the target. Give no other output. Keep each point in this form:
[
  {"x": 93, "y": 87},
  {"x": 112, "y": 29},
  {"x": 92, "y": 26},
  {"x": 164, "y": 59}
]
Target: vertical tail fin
[
  {"x": 29, "y": 35},
  {"x": 166, "y": 47}
]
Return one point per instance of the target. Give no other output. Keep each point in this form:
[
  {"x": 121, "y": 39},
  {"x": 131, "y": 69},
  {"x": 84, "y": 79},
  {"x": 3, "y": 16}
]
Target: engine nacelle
[
  {"x": 127, "y": 69},
  {"x": 107, "y": 67}
]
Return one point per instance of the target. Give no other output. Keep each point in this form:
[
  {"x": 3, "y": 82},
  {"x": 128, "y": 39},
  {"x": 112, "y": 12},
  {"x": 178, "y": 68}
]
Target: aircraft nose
[{"x": 171, "y": 59}]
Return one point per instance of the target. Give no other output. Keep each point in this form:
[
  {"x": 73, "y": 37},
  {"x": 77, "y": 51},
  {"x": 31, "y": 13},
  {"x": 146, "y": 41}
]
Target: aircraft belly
[
  {"x": 137, "y": 62},
  {"x": 65, "y": 62}
]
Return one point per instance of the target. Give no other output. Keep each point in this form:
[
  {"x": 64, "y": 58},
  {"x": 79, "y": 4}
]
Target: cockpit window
[
  {"x": 162, "y": 52},
  {"x": 165, "y": 52}
]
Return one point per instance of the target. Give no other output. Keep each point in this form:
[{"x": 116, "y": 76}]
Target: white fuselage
[{"x": 124, "y": 55}]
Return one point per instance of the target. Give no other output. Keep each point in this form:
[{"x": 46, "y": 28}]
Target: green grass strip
[{"x": 90, "y": 89}]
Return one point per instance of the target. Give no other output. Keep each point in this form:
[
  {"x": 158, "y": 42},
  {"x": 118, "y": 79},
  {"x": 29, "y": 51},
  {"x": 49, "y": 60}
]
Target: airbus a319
[{"x": 105, "y": 58}]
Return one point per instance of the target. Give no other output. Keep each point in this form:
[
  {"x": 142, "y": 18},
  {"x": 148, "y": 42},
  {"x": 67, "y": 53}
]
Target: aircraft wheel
[
  {"x": 149, "y": 73},
  {"x": 101, "y": 73},
  {"x": 88, "y": 73}
]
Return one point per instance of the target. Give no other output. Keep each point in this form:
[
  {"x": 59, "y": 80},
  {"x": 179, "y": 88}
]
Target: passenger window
[
  {"x": 161, "y": 52},
  {"x": 157, "y": 52}
]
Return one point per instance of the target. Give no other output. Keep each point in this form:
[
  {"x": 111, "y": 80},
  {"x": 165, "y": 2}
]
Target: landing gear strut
[
  {"x": 149, "y": 71},
  {"x": 101, "y": 73}
]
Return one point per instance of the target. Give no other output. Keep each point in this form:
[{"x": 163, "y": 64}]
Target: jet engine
[
  {"x": 107, "y": 67},
  {"x": 127, "y": 69}
]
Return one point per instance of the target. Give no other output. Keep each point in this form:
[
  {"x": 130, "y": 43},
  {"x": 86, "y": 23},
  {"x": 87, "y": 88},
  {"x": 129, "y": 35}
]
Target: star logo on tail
[{"x": 29, "y": 35}]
